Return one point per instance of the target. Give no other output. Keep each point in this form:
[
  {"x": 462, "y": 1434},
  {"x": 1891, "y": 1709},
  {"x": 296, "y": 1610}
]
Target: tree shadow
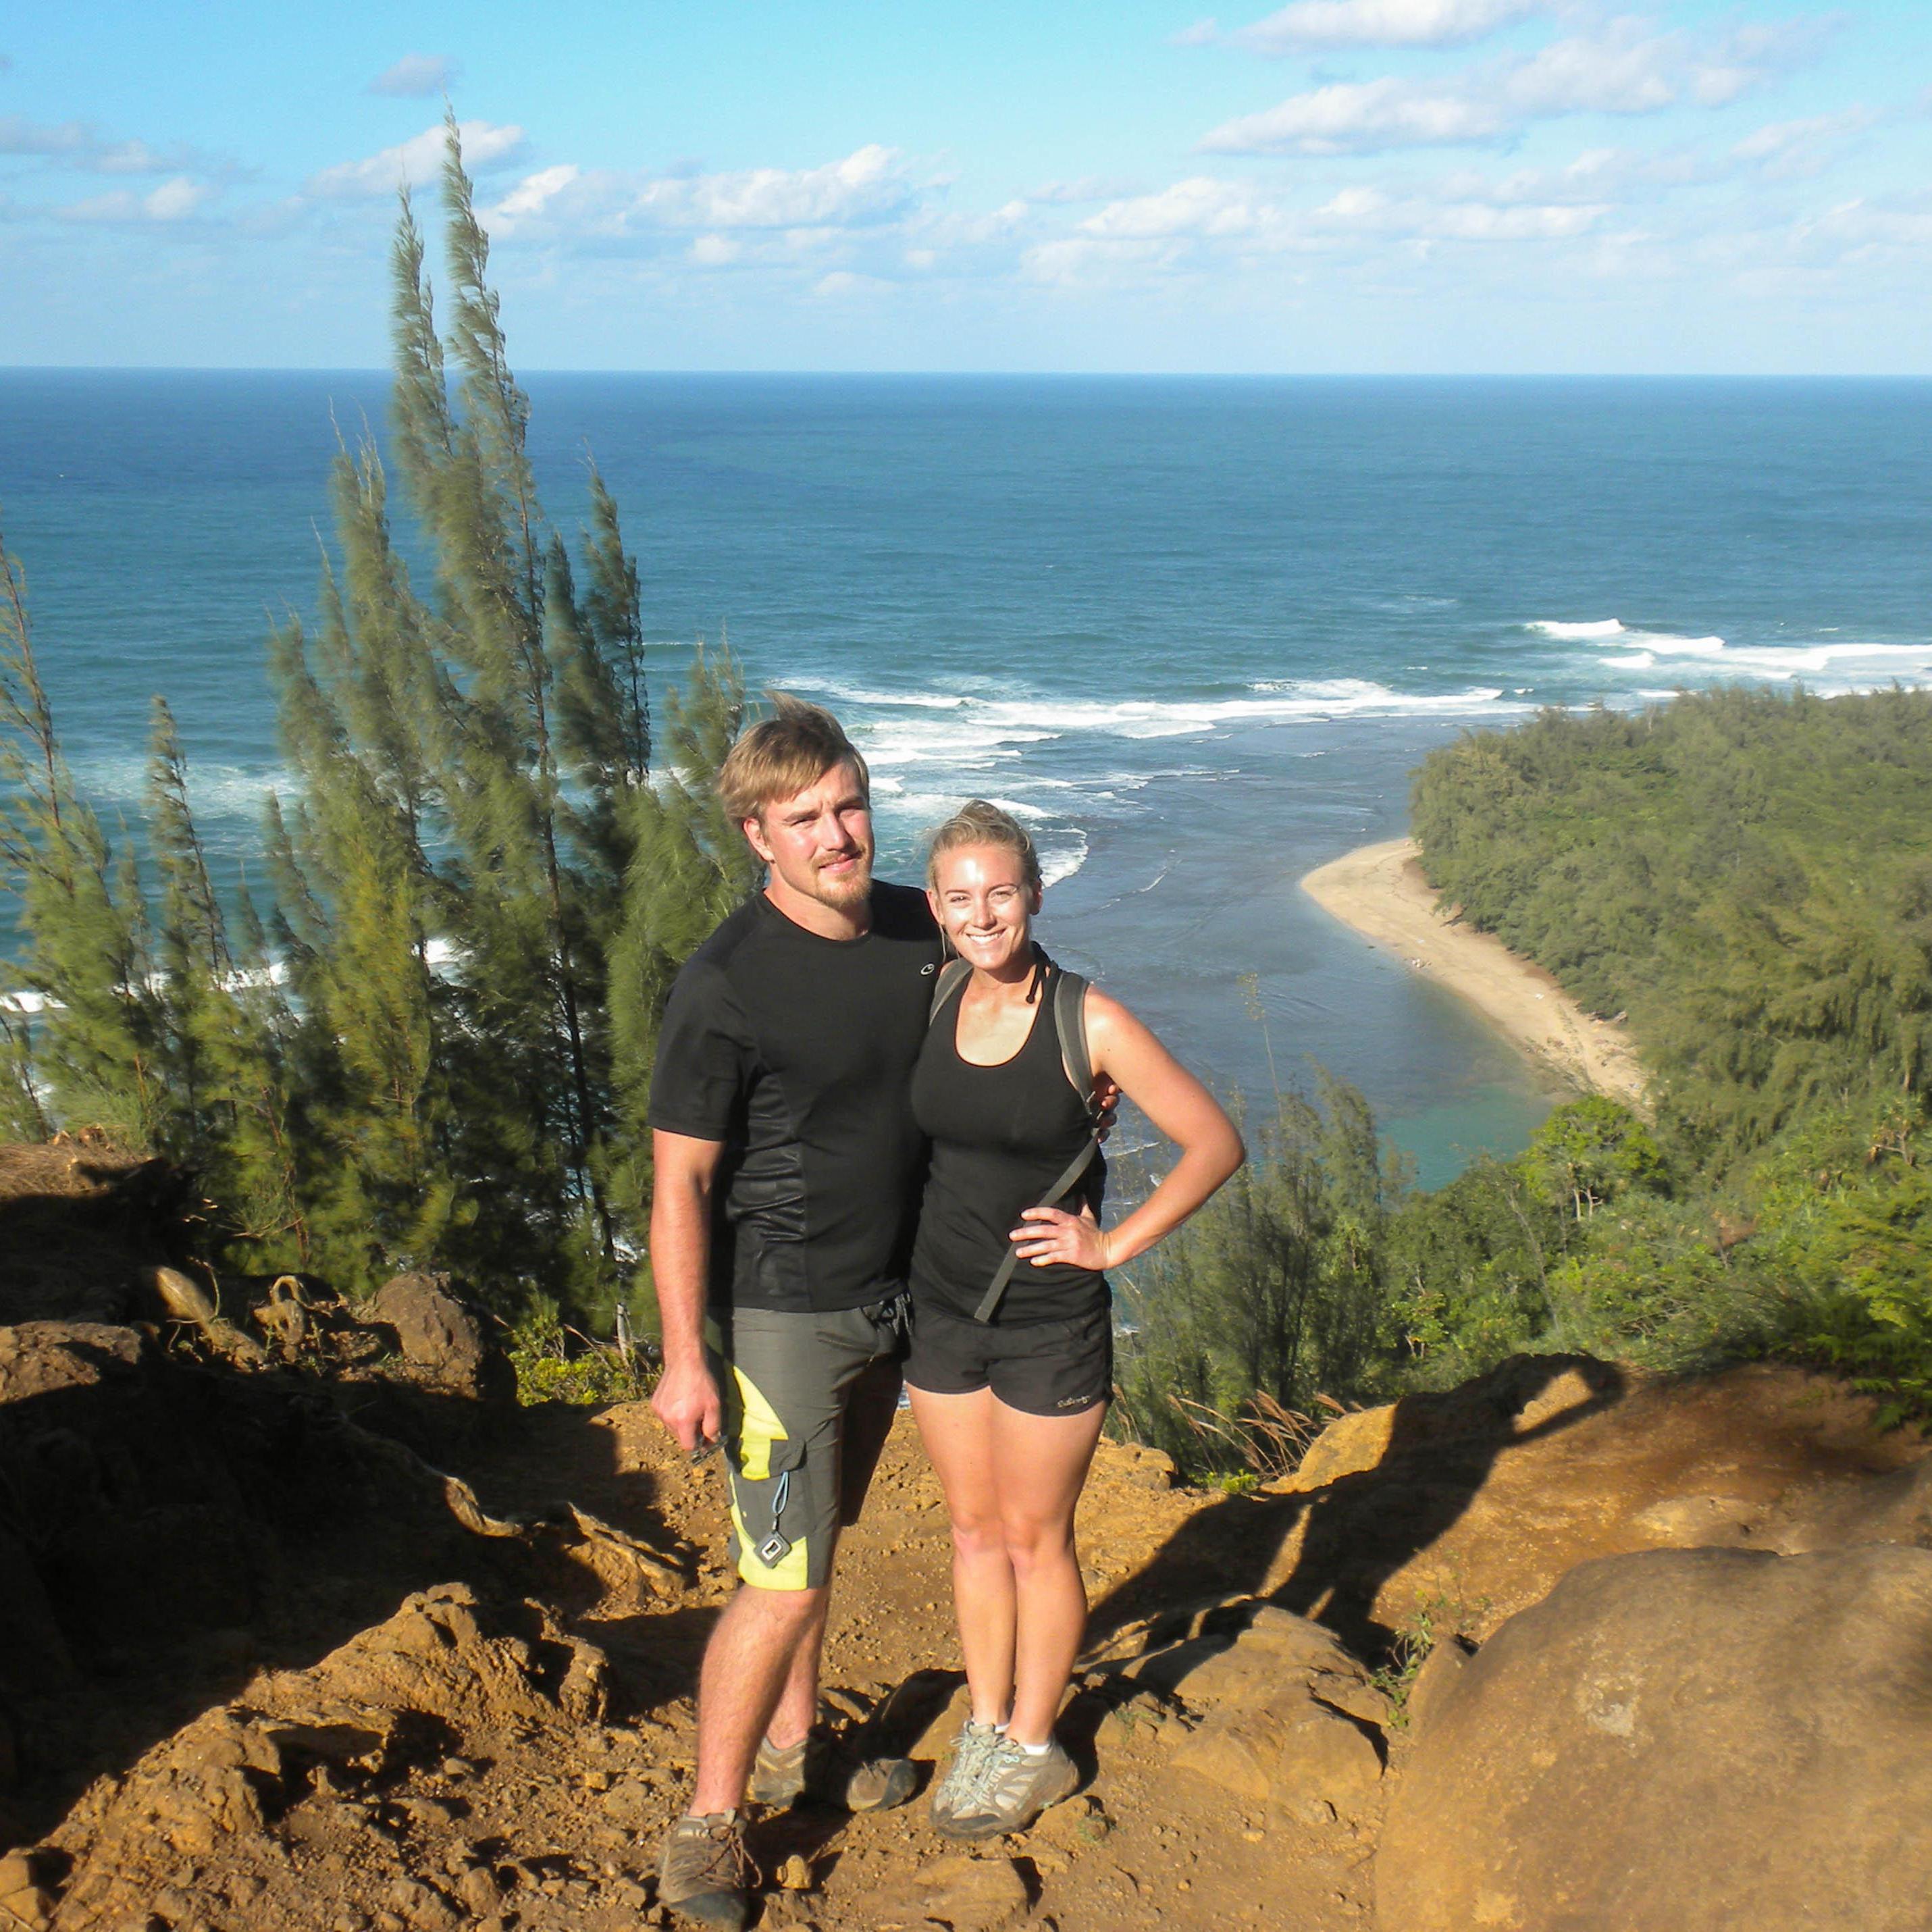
[{"x": 1359, "y": 1529}]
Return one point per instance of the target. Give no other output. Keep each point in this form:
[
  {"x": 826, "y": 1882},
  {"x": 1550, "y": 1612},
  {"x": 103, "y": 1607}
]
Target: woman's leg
[
  {"x": 1040, "y": 1465},
  {"x": 958, "y": 1431}
]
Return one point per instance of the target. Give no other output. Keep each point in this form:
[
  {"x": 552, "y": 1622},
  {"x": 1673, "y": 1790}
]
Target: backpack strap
[
  {"x": 953, "y": 976},
  {"x": 1069, "y": 1019}
]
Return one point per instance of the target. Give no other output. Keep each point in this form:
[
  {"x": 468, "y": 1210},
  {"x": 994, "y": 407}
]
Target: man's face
[{"x": 819, "y": 841}]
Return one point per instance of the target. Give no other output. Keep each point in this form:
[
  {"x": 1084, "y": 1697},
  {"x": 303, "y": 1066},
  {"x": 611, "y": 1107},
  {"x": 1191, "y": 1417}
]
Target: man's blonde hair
[
  {"x": 780, "y": 755},
  {"x": 980, "y": 822}
]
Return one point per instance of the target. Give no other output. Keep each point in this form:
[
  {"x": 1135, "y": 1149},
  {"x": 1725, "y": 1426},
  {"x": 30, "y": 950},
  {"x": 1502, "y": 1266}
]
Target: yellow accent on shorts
[{"x": 759, "y": 1427}]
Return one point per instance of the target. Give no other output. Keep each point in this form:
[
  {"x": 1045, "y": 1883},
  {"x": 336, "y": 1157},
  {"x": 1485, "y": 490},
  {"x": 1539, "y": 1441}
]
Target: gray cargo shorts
[{"x": 808, "y": 1399}]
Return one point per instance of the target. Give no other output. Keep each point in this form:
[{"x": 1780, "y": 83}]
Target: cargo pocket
[{"x": 771, "y": 1510}]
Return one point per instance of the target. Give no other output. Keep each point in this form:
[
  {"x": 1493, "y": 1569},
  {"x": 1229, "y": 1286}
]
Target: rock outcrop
[{"x": 1681, "y": 1741}]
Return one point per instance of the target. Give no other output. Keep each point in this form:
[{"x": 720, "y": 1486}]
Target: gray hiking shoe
[
  {"x": 958, "y": 1791},
  {"x": 1016, "y": 1786},
  {"x": 703, "y": 1872},
  {"x": 822, "y": 1771}
]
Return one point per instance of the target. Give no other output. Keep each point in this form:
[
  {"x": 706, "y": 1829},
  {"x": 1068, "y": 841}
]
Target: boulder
[
  {"x": 1681, "y": 1740},
  {"x": 1465, "y": 1507},
  {"x": 1286, "y": 1715},
  {"x": 443, "y": 1338}
]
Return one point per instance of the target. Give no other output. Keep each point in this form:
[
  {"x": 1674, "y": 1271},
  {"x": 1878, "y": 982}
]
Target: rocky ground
[{"x": 261, "y": 1664}]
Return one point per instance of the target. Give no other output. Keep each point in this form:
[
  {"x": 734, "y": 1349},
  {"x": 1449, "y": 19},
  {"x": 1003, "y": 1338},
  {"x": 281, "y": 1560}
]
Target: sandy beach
[{"x": 1379, "y": 891}]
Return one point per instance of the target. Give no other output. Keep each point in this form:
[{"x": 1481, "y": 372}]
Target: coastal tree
[{"x": 95, "y": 1057}]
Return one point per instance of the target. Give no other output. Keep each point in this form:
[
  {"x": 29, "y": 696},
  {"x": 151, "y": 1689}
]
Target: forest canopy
[{"x": 1745, "y": 874}]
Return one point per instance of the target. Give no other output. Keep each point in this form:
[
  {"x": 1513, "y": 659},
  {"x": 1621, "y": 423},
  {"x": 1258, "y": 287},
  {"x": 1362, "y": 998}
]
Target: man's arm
[{"x": 686, "y": 1399}]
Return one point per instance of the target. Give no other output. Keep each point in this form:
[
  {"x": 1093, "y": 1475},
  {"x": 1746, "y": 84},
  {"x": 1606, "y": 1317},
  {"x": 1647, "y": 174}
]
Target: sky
[{"x": 1370, "y": 186}]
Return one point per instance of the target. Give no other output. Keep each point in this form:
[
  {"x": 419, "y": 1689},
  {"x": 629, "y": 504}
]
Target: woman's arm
[{"x": 1126, "y": 1050}]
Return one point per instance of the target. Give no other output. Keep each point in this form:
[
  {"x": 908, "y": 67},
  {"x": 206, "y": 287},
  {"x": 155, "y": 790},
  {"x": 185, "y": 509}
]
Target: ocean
[{"x": 1197, "y": 632}]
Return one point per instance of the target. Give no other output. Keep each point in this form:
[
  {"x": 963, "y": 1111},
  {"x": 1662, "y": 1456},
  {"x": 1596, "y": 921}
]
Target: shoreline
[{"x": 1379, "y": 891}]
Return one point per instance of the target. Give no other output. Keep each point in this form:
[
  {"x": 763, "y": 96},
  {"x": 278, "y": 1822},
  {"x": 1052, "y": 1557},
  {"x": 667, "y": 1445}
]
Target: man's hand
[
  {"x": 1105, "y": 1105},
  {"x": 687, "y": 1403}
]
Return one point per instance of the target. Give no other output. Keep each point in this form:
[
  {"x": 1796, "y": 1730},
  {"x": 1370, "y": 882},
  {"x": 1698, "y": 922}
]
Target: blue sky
[{"x": 1425, "y": 185}]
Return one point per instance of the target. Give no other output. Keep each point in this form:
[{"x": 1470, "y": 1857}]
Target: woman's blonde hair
[
  {"x": 980, "y": 822},
  {"x": 780, "y": 755}
]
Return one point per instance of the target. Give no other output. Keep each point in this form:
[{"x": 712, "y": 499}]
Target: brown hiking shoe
[
  {"x": 823, "y": 1771},
  {"x": 704, "y": 1874}
]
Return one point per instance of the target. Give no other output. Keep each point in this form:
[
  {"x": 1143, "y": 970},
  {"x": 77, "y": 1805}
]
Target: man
[{"x": 788, "y": 1168}]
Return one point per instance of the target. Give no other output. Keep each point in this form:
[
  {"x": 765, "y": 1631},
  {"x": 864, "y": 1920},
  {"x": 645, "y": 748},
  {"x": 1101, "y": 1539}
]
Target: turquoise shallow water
[{"x": 1197, "y": 630}]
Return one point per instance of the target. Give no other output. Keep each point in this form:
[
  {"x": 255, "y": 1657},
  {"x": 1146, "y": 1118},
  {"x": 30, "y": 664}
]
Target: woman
[{"x": 1011, "y": 1407}]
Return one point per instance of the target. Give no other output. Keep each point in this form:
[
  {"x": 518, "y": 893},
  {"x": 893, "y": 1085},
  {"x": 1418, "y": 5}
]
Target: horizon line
[{"x": 1017, "y": 375}]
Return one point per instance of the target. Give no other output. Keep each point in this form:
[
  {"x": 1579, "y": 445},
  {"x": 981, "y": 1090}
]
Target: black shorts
[{"x": 1041, "y": 1368}]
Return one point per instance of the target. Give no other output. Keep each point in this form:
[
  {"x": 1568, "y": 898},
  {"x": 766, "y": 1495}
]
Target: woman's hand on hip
[{"x": 1053, "y": 1237}]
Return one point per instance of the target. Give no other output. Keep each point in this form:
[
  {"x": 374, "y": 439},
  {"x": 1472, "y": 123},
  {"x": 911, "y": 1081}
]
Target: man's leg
[
  {"x": 869, "y": 1405},
  {"x": 748, "y": 1663},
  {"x": 796, "y": 1709}
]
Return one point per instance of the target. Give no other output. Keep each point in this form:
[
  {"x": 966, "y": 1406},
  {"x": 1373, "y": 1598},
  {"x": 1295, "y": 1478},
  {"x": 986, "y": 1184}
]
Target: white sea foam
[
  {"x": 1606, "y": 627},
  {"x": 921, "y": 700},
  {"x": 1063, "y": 864}
]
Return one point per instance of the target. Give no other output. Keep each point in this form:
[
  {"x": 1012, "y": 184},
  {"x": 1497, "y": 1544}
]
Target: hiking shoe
[
  {"x": 704, "y": 1874},
  {"x": 823, "y": 1771},
  {"x": 1015, "y": 1787},
  {"x": 958, "y": 1792}
]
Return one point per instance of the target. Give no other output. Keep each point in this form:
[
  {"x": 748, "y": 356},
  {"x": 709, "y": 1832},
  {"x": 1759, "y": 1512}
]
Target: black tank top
[{"x": 1001, "y": 1136}]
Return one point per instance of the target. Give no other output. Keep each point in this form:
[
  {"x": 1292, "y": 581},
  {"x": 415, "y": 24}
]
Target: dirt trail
[{"x": 503, "y": 1751}]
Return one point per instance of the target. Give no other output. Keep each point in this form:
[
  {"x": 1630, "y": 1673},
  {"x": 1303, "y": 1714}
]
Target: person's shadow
[{"x": 1358, "y": 1530}]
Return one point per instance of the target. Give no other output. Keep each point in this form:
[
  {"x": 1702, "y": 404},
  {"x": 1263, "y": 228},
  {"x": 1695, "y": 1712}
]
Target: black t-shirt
[
  {"x": 797, "y": 1051},
  {"x": 1001, "y": 1136}
]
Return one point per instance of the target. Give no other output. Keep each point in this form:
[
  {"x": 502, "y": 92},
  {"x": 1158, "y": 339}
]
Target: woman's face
[{"x": 985, "y": 906}]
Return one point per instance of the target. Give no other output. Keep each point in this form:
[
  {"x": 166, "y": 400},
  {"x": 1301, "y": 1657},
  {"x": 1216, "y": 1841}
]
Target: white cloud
[
  {"x": 1246, "y": 218},
  {"x": 1789, "y": 148},
  {"x": 1360, "y": 117},
  {"x": 414, "y": 162},
  {"x": 534, "y": 192},
  {"x": 74, "y": 144},
  {"x": 1088, "y": 188},
  {"x": 416, "y": 74},
  {"x": 174, "y": 200},
  {"x": 1622, "y": 69},
  {"x": 1198, "y": 206},
  {"x": 1383, "y": 23},
  {"x": 1085, "y": 262},
  {"x": 870, "y": 187},
  {"x": 1202, "y": 33}
]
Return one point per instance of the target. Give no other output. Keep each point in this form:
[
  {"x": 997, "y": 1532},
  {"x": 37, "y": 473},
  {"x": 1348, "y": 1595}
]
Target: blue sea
[{"x": 1197, "y": 632}]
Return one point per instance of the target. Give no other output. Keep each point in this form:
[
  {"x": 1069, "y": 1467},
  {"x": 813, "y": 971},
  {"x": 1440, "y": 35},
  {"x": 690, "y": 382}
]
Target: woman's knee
[
  {"x": 976, "y": 1537},
  {"x": 1035, "y": 1543}
]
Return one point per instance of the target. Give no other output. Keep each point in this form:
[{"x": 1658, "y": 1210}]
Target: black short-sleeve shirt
[{"x": 797, "y": 1051}]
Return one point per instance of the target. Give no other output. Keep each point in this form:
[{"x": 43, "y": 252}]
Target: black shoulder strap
[{"x": 1069, "y": 1018}]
